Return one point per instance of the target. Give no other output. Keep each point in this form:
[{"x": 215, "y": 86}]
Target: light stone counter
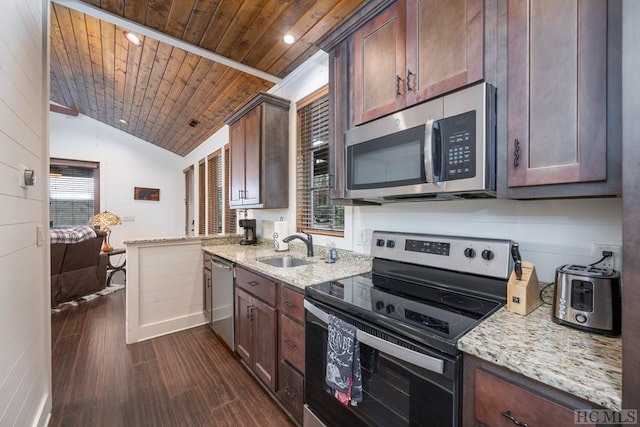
[
  {"x": 348, "y": 263},
  {"x": 222, "y": 239},
  {"x": 583, "y": 364}
]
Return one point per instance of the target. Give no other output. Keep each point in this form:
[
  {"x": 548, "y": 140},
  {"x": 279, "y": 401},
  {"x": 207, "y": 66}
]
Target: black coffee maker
[{"x": 249, "y": 226}]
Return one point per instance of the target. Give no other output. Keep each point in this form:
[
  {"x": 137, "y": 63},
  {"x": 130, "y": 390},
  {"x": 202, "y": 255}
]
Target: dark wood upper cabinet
[
  {"x": 259, "y": 153},
  {"x": 556, "y": 92},
  {"x": 413, "y": 51}
]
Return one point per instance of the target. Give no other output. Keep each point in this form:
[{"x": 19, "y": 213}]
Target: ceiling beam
[{"x": 103, "y": 15}]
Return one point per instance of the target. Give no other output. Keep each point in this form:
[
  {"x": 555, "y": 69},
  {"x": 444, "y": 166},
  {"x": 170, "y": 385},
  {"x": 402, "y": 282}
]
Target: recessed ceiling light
[
  {"x": 133, "y": 38},
  {"x": 289, "y": 39},
  {"x": 123, "y": 121}
]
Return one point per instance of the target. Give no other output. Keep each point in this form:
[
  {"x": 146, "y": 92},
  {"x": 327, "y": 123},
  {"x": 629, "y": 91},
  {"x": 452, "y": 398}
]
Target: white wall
[
  {"x": 550, "y": 232},
  {"x": 25, "y": 359},
  {"x": 125, "y": 162}
]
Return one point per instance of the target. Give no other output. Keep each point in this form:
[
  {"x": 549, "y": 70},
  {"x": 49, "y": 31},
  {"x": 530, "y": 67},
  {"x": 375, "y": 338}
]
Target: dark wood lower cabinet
[
  {"x": 496, "y": 397},
  {"x": 291, "y": 390}
]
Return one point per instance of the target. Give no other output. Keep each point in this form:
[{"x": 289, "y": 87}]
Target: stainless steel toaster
[{"x": 588, "y": 298}]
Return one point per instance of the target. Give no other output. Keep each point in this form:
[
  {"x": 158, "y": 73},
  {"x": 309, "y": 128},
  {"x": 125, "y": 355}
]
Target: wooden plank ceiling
[{"x": 159, "y": 89}]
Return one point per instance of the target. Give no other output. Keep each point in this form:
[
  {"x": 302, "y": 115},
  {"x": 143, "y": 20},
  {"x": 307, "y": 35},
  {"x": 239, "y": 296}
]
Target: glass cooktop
[{"x": 437, "y": 312}]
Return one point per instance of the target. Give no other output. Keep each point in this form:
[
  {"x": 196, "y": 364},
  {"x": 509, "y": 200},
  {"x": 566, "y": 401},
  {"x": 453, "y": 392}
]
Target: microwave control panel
[{"x": 459, "y": 146}]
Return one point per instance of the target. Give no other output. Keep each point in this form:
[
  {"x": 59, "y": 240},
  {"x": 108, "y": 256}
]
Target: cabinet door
[
  {"x": 379, "y": 65},
  {"x": 206, "y": 279},
  {"x": 265, "y": 330},
  {"x": 236, "y": 162},
  {"x": 252, "y": 147},
  {"x": 444, "y": 47},
  {"x": 556, "y": 92},
  {"x": 244, "y": 326}
]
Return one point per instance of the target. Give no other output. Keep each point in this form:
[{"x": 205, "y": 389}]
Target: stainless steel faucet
[{"x": 308, "y": 240}]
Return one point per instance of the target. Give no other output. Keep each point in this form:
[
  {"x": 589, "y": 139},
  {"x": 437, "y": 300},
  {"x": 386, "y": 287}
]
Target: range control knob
[
  {"x": 391, "y": 243},
  {"x": 581, "y": 318},
  {"x": 470, "y": 253},
  {"x": 379, "y": 305},
  {"x": 488, "y": 255},
  {"x": 390, "y": 309},
  {"x": 380, "y": 242}
]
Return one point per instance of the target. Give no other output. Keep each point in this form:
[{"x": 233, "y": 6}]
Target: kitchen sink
[{"x": 285, "y": 261}]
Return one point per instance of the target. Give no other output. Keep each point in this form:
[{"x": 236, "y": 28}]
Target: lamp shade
[{"x": 105, "y": 220}]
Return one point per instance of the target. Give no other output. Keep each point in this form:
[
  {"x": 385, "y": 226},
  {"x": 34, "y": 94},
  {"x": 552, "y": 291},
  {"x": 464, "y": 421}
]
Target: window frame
[{"x": 95, "y": 166}]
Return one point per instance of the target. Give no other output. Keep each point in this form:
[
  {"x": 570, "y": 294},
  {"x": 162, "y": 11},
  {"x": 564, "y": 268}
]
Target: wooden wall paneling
[
  {"x": 262, "y": 46},
  {"x": 113, "y": 6},
  {"x": 94, "y": 37},
  {"x": 147, "y": 61},
  {"x": 630, "y": 206},
  {"x": 121, "y": 53},
  {"x": 107, "y": 33},
  {"x": 154, "y": 119},
  {"x": 179, "y": 17},
  {"x": 59, "y": 88},
  {"x": 257, "y": 29},
  {"x": 198, "y": 21},
  {"x": 135, "y": 10},
  {"x": 237, "y": 27},
  {"x": 158, "y": 65},
  {"x": 218, "y": 77},
  {"x": 134, "y": 55},
  {"x": 192, "y": 81},
  {"x": 67, "y": 42},
  {"x": 219, "y": 24},
  {"x": 157, "y": 14},
  {"x": 184, "y": 72},
  {"x": 79, "y": 24},
  {"x": 61, "y": 67}
]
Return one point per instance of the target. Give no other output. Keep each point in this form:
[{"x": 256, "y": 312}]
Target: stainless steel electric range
[{"x": 423, "y": 294}]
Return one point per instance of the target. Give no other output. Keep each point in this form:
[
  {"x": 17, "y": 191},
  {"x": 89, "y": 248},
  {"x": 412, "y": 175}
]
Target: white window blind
[
  {"x": 201, "y": 198},
  {"x": 229, "y": 214},
  {"x": 73, "y": 192},
  {"x": 188, "y": 202},
  {"x": 314, "y": 209},
  {"x": 214, "y": 185}
]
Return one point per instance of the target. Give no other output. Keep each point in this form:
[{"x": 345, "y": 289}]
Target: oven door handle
[{"x": 407, "y": 355}]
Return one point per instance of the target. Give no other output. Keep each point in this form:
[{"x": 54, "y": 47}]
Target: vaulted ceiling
[{"x": 158, "y": 88}]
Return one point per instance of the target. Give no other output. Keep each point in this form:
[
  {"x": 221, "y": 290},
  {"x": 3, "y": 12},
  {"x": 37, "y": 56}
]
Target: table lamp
[{"x": 104, "y": 220}]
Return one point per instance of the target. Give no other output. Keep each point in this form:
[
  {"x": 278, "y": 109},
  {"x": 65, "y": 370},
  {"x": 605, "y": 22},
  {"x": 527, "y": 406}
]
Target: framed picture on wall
[{"x": 143, "y": 193}]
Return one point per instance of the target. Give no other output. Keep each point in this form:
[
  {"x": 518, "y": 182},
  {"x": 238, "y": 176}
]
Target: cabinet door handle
[
  {"x": 516, "y": 153},
  {"x": 208, "y": 282},
  {"x": 507, "y": 414},
  {"x": 290, "y": 305},
  {"x": 409, "y": 74},
  {"x": 248, "y": 312},
  {"x": 253, "y": 283},
  {"x": 288, "y": 393},
  {"x": 398, "y": 80},
  {"x": 290, "y": 344}
]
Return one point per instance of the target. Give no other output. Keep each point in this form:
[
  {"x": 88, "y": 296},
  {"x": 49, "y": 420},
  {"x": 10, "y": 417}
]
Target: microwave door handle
[
  {"x": 405, "y": 354},
  {"x": 428, "y": 151}
]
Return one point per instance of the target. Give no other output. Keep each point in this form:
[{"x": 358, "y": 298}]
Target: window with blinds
[
  {"x": 188, "y": 202},
  {"x": 214, "y": 190},
  {"x": 201, "y": 198},
  {"x": 74, "y": 195},
  {"x": 314, "y": 209},
  {"x": 229, "y": 214}
]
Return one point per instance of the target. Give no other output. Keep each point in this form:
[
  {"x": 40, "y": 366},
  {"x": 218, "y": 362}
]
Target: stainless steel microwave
[{"x": 442, "y": 149}]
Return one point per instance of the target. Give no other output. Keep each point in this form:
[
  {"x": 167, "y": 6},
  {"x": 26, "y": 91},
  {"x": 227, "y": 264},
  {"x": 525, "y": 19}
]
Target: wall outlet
[
  {"x": 364, "y": 237},
  {"x": 614, "y": 262}
]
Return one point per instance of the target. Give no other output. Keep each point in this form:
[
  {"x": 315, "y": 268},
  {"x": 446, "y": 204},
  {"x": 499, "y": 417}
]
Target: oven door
[{"x": 403, "y": 384}]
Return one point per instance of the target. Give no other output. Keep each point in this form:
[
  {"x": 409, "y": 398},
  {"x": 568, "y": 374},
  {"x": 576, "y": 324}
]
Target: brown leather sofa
[{"x": 77, "y": 269}]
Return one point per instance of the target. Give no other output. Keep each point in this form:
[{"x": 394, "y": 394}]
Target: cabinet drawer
[
  {"x": 292, "y": 303},
  {"x": 257, "y": 285},
  {"x": 292, "y": 342},
  {"x": 206, "y": 260},
  {"x": 291, "y": 389},
  {"x": 495, "y": 396}
]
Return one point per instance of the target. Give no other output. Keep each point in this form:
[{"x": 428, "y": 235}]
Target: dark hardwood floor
[{"x": 184, "y": 379}]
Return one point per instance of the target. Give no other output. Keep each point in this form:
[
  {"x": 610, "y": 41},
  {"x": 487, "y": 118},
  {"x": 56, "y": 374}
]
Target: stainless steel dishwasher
[{"x": 222, "y": 281}]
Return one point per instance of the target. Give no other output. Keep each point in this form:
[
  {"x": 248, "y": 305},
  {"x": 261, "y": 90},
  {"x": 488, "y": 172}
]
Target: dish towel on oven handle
[{"x": 343, "y": 372}]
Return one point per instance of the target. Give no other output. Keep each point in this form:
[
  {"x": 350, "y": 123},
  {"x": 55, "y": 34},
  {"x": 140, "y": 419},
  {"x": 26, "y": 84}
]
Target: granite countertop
[
  {"x": 217, "y": 239},
  {"x": 583, "y": 364},
  {"x": 348, "y": 263}
]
